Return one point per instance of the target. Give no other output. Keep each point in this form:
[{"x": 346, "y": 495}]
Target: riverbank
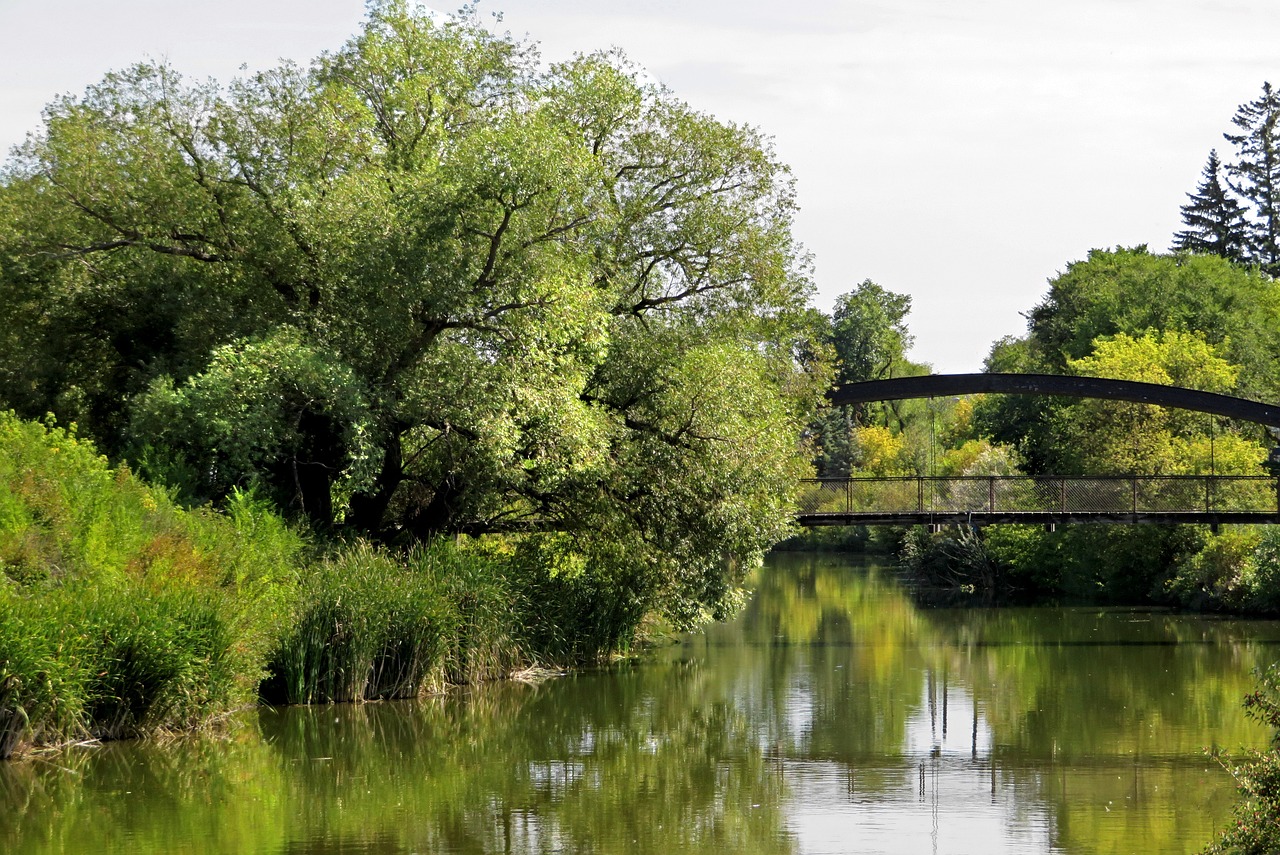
[
  {"x": 123, "y": 614},
  {"x": 1235, "y": 570},
  {"x": 809, "y": 714}
]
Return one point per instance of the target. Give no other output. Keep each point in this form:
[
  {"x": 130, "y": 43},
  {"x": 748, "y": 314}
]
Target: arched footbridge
[{"x": 989, "y": 500}]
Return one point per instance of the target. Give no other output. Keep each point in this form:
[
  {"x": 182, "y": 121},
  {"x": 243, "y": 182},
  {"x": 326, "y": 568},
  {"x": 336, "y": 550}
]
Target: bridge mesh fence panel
[
  {"x": 1021, "y": 494},
  {"x": 892, "y": 495},
  {"x": 825, "y": 496},
  {"x": 1041, "y": 495},
  {"x": 1171, "y": 494}
]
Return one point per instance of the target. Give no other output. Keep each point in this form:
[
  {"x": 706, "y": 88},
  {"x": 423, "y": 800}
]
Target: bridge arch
[{"x": 942, "y": 385}]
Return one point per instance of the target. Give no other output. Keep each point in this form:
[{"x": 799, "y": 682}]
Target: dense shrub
[
  {"x": 121, "y": 613},
  {"x": 577, "y": 610},
  {"x": 955, "y": 558}
]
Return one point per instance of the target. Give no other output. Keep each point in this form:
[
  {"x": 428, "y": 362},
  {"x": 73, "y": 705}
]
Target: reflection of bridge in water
[{"x": 988, "y": 500}]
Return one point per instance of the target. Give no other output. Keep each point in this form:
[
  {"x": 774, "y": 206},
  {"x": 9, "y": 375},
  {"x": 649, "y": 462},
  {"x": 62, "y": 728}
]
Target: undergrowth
[{"x": 123, "y": 613}]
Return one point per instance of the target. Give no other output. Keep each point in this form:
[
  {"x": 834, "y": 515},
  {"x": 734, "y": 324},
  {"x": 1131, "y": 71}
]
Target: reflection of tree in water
[
  {"x": 832, "y": 693},
  {"x": 209, "y": 792},
  {"x": 1098, "y": 715},
  {"x": 1104, "y": 714},
  {"x": 647, "y": 765}
]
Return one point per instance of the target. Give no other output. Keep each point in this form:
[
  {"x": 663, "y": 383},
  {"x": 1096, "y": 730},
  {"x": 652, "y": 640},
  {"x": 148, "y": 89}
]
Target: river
[{"x": 833, "y": 715}]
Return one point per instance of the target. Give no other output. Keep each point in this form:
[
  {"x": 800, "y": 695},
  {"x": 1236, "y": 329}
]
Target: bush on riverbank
[
  {"x": 122, "y": 613},
  {"x": 1237, "y": 569},
  {"x": 1256, "y": 829}
]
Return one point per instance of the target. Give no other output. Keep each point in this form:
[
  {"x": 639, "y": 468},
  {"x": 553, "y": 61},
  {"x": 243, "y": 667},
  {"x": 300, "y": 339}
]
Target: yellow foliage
[{"x": 882, "y": 452}]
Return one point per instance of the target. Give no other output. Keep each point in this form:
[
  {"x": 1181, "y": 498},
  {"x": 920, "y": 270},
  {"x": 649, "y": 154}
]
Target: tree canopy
[
  {"x": 1190, "y": 320},
  {"x": 424, "y": 285}
]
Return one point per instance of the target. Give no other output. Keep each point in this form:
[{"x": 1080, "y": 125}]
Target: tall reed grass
[
  {"x": 122, "y": 613},
  {"x": 372, "y": 624}
]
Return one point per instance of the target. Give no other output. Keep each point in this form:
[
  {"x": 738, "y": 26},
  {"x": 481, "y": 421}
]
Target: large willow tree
[{"x": 424, "y": 286}]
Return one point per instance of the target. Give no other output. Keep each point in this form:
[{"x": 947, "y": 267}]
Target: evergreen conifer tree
[
  {"x": 1215, "y": 221},
  {"x": 1257, "y": 174}
]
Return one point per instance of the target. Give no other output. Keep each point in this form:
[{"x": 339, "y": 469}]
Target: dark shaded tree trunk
[{"x": 367, "y": 511}]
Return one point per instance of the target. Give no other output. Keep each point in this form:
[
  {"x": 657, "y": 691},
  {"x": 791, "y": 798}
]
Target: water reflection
[
  {"x": 832, "y": 716},
  {"x": 1026, "y": 730}
]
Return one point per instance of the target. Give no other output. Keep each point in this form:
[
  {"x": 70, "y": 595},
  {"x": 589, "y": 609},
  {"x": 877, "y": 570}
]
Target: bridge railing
[{"x": 1120, "y": 494}]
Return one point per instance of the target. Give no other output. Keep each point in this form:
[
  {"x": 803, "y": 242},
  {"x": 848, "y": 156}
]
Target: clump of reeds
[
  {"x": 112, "y": 661},
  {"x": 363, "y": 628}
]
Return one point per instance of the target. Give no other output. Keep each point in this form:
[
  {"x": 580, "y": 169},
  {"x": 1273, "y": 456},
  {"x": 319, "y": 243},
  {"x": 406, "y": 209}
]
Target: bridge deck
[
  {"x": 982, "y": 518},
  {"x": 991, "y": 500}
]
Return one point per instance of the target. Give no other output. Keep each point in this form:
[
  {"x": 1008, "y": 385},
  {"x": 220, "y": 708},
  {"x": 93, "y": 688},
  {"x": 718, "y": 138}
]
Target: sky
[{"x": 962, "y": 152}]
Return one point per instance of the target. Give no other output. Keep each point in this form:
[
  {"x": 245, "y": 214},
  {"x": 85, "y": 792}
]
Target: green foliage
[
  {"x": 1220, "y": 574},
  {"x": 1133, "y": 291},
  {"x": 1257, "y": 174},
  {"x": 1236, "y": 570},
  {"x": 424, "y": 286},
  {"x": 954, "y": 559},
  {"x": 122, "y": 614},
  {"x": 258, "y": 413},
  {"x": 869, "y": 333},
  {"x": 868, "y": 338},
  {"x": 1256, "y": 829},
  {"x": 1192, "y": 321},
  {"x": 1153, "y": 440},
  {"x": 1084, "y": 563},
  {"x": 1215, "y": 221},
  {"x": 119, "y": 612},
  {"x": 365, "y": 627}
]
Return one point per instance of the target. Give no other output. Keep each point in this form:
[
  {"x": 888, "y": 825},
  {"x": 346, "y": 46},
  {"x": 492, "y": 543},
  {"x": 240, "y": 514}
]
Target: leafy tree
[
  {"x": 1138, "y": 294},
  {"x": 869, "y": 338},
  {"x": 1215, "y": 221},
  {"x": 423, "y": 286},
  {"x": 1257, "y": 172},
  {"x": 1133, "y": 290},
  {"x": 1153, "y": 440},
  {"x": 869, "y": 333}
]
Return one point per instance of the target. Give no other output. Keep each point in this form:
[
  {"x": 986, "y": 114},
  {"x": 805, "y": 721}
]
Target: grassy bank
[
  {"x": 1232, "y": 570},
  {"x": 123, "y": 614}
]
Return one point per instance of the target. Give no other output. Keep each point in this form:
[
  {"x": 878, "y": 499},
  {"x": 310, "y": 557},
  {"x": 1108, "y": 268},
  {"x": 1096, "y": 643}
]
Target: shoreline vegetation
[{"x": 123, "y": 614}]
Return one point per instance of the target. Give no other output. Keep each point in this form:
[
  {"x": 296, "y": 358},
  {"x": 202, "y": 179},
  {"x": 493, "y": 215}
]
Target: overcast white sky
[{"x": 960, "y": 151}]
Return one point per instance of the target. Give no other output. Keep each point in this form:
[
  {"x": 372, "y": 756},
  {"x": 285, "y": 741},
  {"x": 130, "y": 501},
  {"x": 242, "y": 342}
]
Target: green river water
[{"x": 833, "y": 715}]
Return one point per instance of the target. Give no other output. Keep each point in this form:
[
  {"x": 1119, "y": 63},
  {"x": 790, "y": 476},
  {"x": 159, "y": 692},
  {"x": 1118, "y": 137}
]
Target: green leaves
[
  {"x": 424, "y": 286},
  {"x": 264, "y": 407}
]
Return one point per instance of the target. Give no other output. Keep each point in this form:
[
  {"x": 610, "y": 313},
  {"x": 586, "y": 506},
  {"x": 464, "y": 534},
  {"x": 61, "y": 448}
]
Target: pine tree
[
  {"x": 1257, "y": 174},
  {"x": 1215, "y": 221}
]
